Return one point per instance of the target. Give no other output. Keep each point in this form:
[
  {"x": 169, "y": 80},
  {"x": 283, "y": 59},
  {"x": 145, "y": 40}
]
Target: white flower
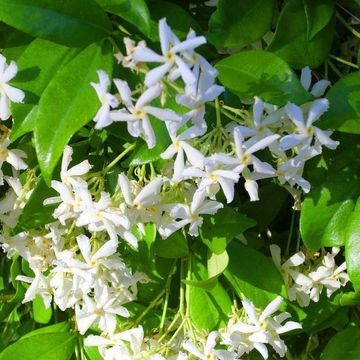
[
  {"x": 265, "y": 328},
  {"x": 189, "y": 214},
  {"x": 196, "y": 95},
  {"x": 305, "y": 131},
  {"x": 13, "y": 202},
  {"x": 70, "y": 200},
  {"x": 39, "y": 286},
  {"x": 318, "y": 89},
  {"x": 245, "y": 151},
  {"x": 297, "y": 284},
  {"x": 328, "y": 275},
  {"x": 100, "y": 215},
  {"x": 180, "y": 147},
  {"x": 208, "y": 351},
  {"x": 170, "y": 48},
  {"x": 8, "y": 93},
  {"x": 102, "y": 309},
  {"x": 259, "y": 127},
  {"x": 291, "y": 172},
  {"x": 136, "y": 116},
  {"x": 127, "y": 60},
  {"x": 13, "y": 157},
  {"x": 216, "y": 172},
  {"x": 125, "y": 345},
  {"x": 148, "y": 196},
  {"x": 102, "y": 117},
  {"x": 67, "y": 174}
]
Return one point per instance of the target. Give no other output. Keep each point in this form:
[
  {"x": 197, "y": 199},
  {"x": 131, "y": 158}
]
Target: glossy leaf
[
  {"x": 335, "y": 189},
  {"x": 344, "y": 112},
  {"x": 352, "y": 246},
  {"x": 219, "y": 229},
  {"x": 35, "y": 214},
  {"x": 246, "y": 273},
  {"x": 179, "y": 19},
  {"x": 37, "y": 66},
  {"x": 13, "y": 42},
  {"x": 344, "y": 345},
  {"x": 41, "y": 346},
  {"x": 238, "y": 23},
  {"x": 217, "y": 263},
  {"x": 68, "y": 103},
  {"x": 175, "y": 246},
  {"x": 216, "y": 301},
  {"x": 261, "y": 73},
  {"x": 142, "y": 154},
  {"x": 41, "y": 314},
  {"x": 135, "y": 12},
  {"x": 304, "y": 32},
  {"x": 72, "y": 23}
]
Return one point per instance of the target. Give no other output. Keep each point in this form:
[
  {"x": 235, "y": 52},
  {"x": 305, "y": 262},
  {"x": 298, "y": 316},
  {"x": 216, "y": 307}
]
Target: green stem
[
  {"x": 218, "y": 113},
  {"x": 118, "y": 158},
  {"x": 348, "y": 63},
  {"x": 334, "y": 68},
  {"x": 176, "y": 333},
  {"x": 167, "y": 294},
  {"x": 151, "y": 305},
  {"x": 223, "y": 111},
  {"x": 173, "y": 322},
  {"x": 345, "y": 23},
  {"x": 182, "y": 288},
  {"x": 290, "y": 233}
]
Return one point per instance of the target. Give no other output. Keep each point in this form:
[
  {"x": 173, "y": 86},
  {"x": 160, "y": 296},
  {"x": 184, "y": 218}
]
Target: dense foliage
[{"x": 179, "y": 179}]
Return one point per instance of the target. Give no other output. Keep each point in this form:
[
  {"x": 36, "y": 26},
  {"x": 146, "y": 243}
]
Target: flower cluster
[
  {"x": 74, "y": 261},
  {"x": 251, "y": 330},
  {"x": 209, "y": 161},
  {"x": 77, "y": 271},
  {"x": 305, "y": 280},
  {"x": 247, "y": 329}
]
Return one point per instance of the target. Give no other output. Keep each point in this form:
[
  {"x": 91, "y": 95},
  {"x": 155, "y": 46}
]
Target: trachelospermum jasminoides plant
[{"x": 79, "y": 261}]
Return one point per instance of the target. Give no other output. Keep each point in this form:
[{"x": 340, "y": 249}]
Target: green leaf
[
  {"x": 42, "y": 315},
  {"x": 216, "y": 264},
  {"x": 352, "y": 246},
  {"x": 350, "y": 299},
  {"x": 344, "y": 112},
  {"x": 238, "y": 23},
  {"x": 253, "y": 275},
  {"x": 41, "y": 346},
  {"x": 316, "y": 316},
  {"x": 272, "y": 199},
  {"x": 335, "y": 190},
  {"x": 175, "y": 246},
  {"x": 35, "y": 214},
  {"x": 67, "y": 22},
  {"x": 178, "y": 19},
  {"x": 37, "y": 66},
  {"x": 215, "y": 300},
  {"x": 68, "y": 103},
  {"x": 135, "y": 12},
  {"x": 219, "y": 229},
  {"x": 344, "y": 345},
  {"x": 261, "y": 73},
  {"x": 142, "y": 154},
  {"x": 304, "y": 32},
  {"x": 24, "y": 117},
  {"x": 92, "y": 353},
  {"x": 61, "y": 327},
  {"x": 13, "y": 42}
]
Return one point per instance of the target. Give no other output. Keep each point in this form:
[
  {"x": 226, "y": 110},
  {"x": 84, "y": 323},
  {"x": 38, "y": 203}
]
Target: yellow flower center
[
  {"x": 139, "y": 114},
  {"x": 170, "y": 57}
]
